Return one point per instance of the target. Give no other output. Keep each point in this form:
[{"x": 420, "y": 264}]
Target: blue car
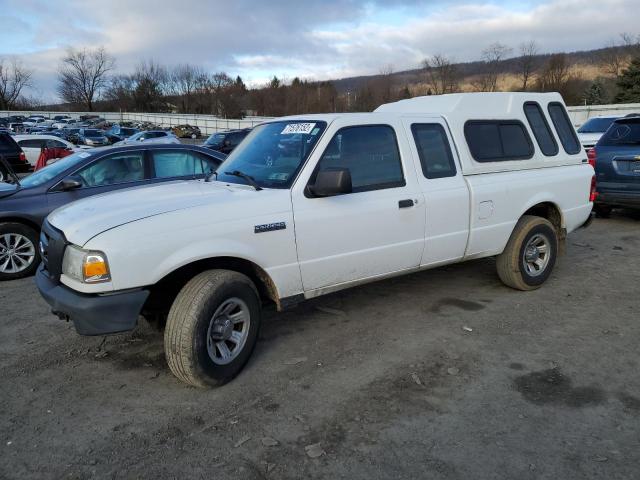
[
  {"x": 616, "y": 159},
  {"x": 25, "y": 205}
]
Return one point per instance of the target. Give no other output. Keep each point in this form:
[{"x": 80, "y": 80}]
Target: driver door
[{"x": 377, "y": 229}]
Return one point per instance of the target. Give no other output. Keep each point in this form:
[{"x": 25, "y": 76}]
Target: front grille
[{"x": 53, "y": 244}]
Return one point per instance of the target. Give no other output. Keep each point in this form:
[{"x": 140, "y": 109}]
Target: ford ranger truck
[{"x": 312, "y": 204}]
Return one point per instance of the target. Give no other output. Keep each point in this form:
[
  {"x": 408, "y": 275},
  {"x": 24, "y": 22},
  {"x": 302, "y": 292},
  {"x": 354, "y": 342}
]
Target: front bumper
[{"x": 93, "y": 314}]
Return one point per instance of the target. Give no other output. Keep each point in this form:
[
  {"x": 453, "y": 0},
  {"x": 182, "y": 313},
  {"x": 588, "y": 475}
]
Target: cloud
[{"x": 311, "y": 39}]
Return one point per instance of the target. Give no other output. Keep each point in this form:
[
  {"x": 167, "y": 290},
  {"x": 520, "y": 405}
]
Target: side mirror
[
  {"x": 69, "y": 183},
  {"x": 331, "y": 182}
]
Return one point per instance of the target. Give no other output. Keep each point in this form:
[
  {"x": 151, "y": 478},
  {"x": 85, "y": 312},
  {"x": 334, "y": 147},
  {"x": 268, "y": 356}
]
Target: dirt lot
[{"x": 385, "y": 378}]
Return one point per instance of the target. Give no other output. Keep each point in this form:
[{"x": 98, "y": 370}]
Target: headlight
[{"x": 85, "y": 266}]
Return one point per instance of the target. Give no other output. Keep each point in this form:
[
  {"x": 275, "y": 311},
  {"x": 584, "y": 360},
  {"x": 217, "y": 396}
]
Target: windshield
[
  {"x": 136, "y": 136},
  {"x": 93, "y": 133},
  {"x": 51, "y": 171},
  {"x": 127, "y": 131},
  {"x": 273, "y": 153},
  {"x": 596, "y": 125},
  {"x": 215, "y": 139}
]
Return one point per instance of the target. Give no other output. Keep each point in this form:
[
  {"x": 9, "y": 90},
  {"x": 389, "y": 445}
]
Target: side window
[
  {"x": 541, "y": 130},
  {"x": 176, "y": 163},
  {"x": 498, "y": 140},
  {"x": 565, "y": 130},
  {"x": 370, "y": 153},
  {"x": 31, "y": 143},
  {"x": 434, "y": 150},
  {"x": 55, "y": 144},
  {"x": 114, "y": 169}
]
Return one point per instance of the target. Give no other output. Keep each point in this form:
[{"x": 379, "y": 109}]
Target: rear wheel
[
  {"x": 19, "y": 256},
  {"x": 530, "y": 254},
  {"x": 212, "y": 328}
]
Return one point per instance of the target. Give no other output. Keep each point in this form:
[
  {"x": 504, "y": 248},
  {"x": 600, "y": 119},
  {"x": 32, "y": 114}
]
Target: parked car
[
  {"x": 418, "y": 183},
  {"x": 13, "y": 155},
  {"x": 590, "y": 131},
  {"x": 150, "y": 136},
  {"x": 71, "y": 134},
  {"x": 92, "y": 137},
  {"x": 61, "y": 117},
  {"x": 61, "y": 122},
  {"x": 89, "y": 172},
  {"x": 616, "y": 158},
  {"x": 35, "y": 121},
  {"x": 186, "y": 131},
  {"x": 32, "y": 145},
  {"x": 225, "y": 142},
  {"x": 117, "y": 133}
]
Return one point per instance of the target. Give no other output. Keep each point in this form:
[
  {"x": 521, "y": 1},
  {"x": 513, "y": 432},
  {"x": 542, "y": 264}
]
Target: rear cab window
[
  {"x": 565, "y": 130},
  {"x": 498, "y": 140},
  {"x": 541, "y": 129},
  {"x": 434, "y": 150}
]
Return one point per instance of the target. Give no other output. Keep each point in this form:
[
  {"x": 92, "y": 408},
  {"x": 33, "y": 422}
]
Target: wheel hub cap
[
  {"x": 228, "y": 331},
  {"x": 536, "y": 254},
  {"x": 17, "y": 253}
]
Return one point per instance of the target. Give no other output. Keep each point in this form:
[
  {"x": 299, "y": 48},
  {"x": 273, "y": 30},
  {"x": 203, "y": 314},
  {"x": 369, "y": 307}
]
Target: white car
[
  {"x": 353, "y": 198},
  {"x": 32, "y": 145},
  {"x": 63, "y": 122},
  {"x": 149, "y": 136},
  {"x": 590, "y": 131}
]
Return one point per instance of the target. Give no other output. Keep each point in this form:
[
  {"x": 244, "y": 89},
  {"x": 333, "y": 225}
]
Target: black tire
[
  {"x": 602, "y": 211},
  {"x": 512, "y": 265},
  {"x": 190, "y": 320},
  {"x": 27, "y": 233}
]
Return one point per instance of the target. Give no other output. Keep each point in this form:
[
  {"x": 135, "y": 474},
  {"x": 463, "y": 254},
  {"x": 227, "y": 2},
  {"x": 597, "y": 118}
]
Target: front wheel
[
  {"x": 19, "y": 256},
  {"x": 530, "y": 254},
  {"x": 212, "y": 328}
]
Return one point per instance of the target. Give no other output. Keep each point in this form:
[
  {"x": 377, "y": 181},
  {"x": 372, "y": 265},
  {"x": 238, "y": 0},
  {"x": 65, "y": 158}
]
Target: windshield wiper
[
  {"x": 211, "y": 174},
  {"x": 10, "y": 171},
  {"x": 250, "y": 180}
]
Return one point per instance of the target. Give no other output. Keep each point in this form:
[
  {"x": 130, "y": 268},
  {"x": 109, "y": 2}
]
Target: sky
[{"x": 312, "y": 39}]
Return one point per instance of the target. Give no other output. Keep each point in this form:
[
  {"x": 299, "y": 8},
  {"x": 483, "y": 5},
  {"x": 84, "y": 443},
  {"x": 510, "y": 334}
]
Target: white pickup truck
[{"x": 312, "y": 204}]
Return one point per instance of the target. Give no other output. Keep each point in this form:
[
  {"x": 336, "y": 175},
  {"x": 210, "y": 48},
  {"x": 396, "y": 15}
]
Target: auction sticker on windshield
[{"x": 298, "y": 128}]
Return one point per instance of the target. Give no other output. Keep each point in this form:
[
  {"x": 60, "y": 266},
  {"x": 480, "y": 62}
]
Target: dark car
[
  {"x": 117, "y": 133},
  {"x": 13, "y": 155},
  {"x": 92, "y": 137},
  {"x": 225, "y": 142},
  {"x": 616, "y": 159},
  {"x": 24, "y": 207},
  {"x": 70, "y": 134}
]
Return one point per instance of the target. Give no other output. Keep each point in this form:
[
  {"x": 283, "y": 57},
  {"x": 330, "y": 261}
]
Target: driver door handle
[{"x": 405, "y": 203}]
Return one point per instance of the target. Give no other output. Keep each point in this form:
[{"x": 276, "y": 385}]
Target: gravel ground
[{"x": 444, "y": 374}]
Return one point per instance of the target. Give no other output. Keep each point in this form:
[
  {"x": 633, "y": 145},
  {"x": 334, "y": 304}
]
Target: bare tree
[
  {"x": 384, "y": 84},
  {"x": 441, "y": 74},
  {"x": 14, "y": 77},
  {"x": 555, "y": 74},
  {"x": 527, "y": 62},
  {"x": 151, "y": 85},
  {"x": 617, "y": 54},
  {"x": 83, "y": 74},
  {"x": 185, "y": 82},
  {"x": 492, "y": 56}
]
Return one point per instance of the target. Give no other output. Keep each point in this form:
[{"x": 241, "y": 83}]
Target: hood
[{"x": 84, "y": 219}]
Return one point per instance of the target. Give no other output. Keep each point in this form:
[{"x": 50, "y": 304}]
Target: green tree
[
  {"x": 594, "y": 94},
  {"x": 629, "y": 83}
]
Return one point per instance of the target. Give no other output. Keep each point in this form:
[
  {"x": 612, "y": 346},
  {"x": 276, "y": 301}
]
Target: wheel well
[
  {"x": 551, "y": 212},
  {"x": 163, "y": 293},
  {"x": 23, "y": 221}
]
